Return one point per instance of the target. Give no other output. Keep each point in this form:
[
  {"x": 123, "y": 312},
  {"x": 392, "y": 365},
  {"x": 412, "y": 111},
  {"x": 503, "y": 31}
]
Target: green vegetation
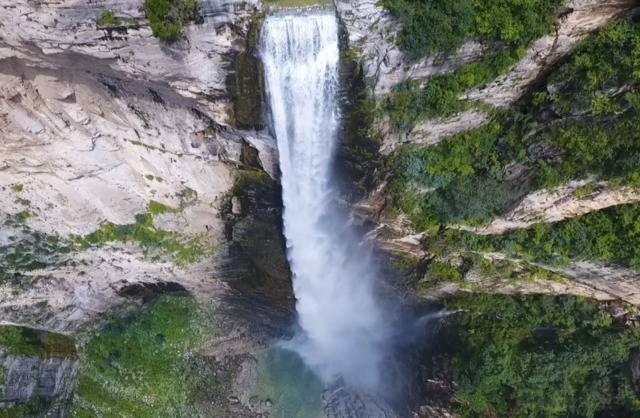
[
  {"x": 107, "y": 18},
  {"x": 24, "y": 410},
  {"x": 153, "y": 241},
  {"x": 142, "y": 365},
  {"x": 610, "y": 235},
  {"x": 167, "y": 18},
  {"x": 442, "y": 25},
  {"x": 443, "y": 272},
  {"x": 157, "y": 208},
  {"x": 439, "y": 184},
  {"x": 26, "y": 341},
  {"x": 412, "y": 101},
  {"x": 35, "y": 251},
  {"x": 17, "y": 187},
  {"x": 541, "y": 356}
]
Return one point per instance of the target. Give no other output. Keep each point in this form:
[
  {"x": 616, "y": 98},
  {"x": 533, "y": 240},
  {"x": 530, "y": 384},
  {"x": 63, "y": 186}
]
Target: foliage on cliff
[
  {"x": 412, "y": 101},
  {"x": 567, "y": 129},
  {"x": 442, "y": 25},
  {"x": 168, "y": 18},
  {"x": 541, "y": 356},
  {"x": 107, "y": 18},
  {"x": 25, "y": 341},
  {"x": 610, "y": 235},
  {"x": 141, "y": 365}
]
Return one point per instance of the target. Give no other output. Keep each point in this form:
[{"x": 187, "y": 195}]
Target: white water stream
[{"x": 342, "y": 329}]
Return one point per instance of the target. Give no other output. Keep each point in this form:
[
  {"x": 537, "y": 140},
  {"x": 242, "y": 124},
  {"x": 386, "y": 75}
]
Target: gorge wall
[{"x": 141, "y": 202}]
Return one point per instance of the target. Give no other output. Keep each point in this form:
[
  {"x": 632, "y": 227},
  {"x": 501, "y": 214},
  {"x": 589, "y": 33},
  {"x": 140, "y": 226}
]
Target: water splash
[{"x": 343, "y": 330}]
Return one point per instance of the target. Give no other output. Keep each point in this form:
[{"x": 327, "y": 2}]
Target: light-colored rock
[
  {"x": 98, "y": 122},
  {"x": 372, "y": 31},
  {"x": 620, "y": 283},
  {"x": 557, "y": 204},
  {"x": 196, "y": 66},
  {"x": 63, "y": 298},
  {"x": 432, "y": 131}
]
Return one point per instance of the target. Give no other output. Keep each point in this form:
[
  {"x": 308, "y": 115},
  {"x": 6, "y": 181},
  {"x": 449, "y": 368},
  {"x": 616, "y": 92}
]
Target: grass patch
[
  {"x": 541, "y": 356},
  {"x": 24, "y": 341},
  {"x": 168, "y": 18},
  {"x": 141, "y": 365},
  {"x": 153, "y": 241},
  {"x": 107, "y": 18}
]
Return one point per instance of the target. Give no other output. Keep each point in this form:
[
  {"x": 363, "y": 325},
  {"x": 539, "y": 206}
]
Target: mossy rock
[
  {"x": 19, "y": 340},
  {"x": 256, "y": 254},
  {"x": 247, "y": 81}
]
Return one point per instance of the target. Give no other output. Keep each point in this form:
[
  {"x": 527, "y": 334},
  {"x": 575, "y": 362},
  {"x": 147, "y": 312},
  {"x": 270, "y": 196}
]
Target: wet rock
[
  {"x": 634, "y": 366},
  {"x": 342, "y": 402},
  {"x": 247, "y": 82},
  {"x": 46, "y": 382},
  {"x": 254, "y": 257}
]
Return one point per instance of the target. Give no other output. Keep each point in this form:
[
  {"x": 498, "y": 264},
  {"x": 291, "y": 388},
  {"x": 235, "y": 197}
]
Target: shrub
[
  {"x": 107, "y": 19},
  {"x": 541, "y": 356},
  {"x": 442, "y": 25},
  {"x": 167, "y": 18}
]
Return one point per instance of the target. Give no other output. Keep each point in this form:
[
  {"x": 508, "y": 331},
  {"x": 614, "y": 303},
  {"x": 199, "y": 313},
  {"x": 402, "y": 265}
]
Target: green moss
[
  {"x": 107, "y": 18},
  {"x": 541, "y": 356},
  {"x": 17, "y": 187},
  {"x": 19, "y": 340},
  {"x": 24, "y": 215},
  {"x": 141, "y": 365},
  {"x": 157, "y": 208},
  {"x": 142, "y": 144},
  {"x": 168, "y": 18},
  {"x": 28, "y": 409},
  {"x": 153, "y": 241},
  {"x": 33, "y": 252}
]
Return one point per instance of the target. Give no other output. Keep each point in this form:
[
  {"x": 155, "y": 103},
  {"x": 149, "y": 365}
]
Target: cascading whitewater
[{"x": 342, "y": 329}]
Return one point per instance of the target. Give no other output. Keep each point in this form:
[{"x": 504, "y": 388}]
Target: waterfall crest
[{"x": 342, "y": 329}]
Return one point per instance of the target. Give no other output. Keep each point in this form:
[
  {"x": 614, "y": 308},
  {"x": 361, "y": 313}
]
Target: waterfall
[{"x": 342, "y": 329}]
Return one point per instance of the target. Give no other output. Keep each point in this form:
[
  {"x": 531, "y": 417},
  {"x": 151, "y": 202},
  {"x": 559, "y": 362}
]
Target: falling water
[{"x": 342, "y": 330}]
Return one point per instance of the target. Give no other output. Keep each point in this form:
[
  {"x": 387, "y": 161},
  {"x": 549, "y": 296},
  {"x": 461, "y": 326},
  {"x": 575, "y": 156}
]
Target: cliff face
[
  {"x": 99, "y": 121},
  {"x": 373, "y": 35},
  {"x": 130, "y": 168}
]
